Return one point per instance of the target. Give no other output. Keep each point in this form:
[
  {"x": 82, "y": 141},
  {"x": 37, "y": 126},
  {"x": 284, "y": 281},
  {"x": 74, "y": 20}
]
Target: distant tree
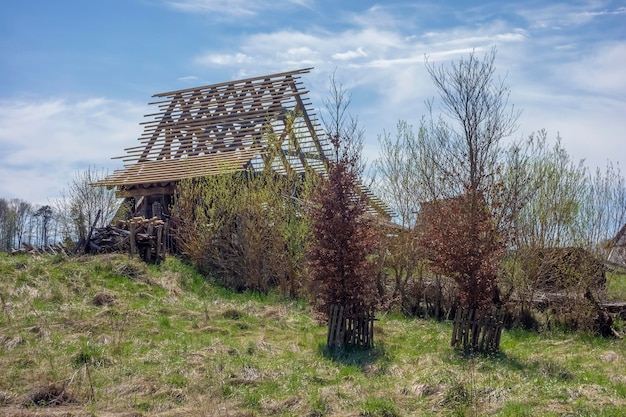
[
  {"x": 44, "y": 214},
  {"x": 398, "y": 173},
  {"x": 6, "y": 228},
  {"x": 24, "y": 212},
  {"x": 549, "y": 219},
  {"x": 571, "y": 212},
  {"x": 81, "y": 201},
  {"x": 398, "y": 182},
  {"x": 603, "y": 209},
  {"x": 14, "y": 219}
]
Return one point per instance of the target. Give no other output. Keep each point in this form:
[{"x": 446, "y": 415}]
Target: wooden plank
[
  {"x": 178, "y": 101},
  {"x": 93, "y": 225},
  {"x": 216, "y": 108},
  {"x": 262, "y": 77},
  {"x": 133, "y": 237},
  {"x": 175, "y": 169}
]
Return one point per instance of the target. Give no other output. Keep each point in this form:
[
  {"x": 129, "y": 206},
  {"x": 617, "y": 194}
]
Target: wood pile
[
  {"x": 138, "y": 235},
  {"x": 27, "y": 248}
]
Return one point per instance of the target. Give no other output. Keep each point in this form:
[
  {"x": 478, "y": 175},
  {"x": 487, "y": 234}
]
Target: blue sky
[{"x": 76, "y": 75}]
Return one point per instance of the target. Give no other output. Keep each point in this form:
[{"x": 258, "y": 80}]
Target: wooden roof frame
[{"x": 223, "y": 128}]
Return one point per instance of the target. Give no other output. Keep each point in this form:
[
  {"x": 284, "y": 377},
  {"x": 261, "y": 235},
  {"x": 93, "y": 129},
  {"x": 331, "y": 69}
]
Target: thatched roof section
[{"x": 252, "y": 123}]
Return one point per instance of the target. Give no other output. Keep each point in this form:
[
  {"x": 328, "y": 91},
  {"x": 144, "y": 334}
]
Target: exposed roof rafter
[{"x": 228, "y": 127}]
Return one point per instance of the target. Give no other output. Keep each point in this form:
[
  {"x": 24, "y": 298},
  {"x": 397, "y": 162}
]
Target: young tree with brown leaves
[
  {"x": 342, "y": 234},
  {"x": 342, "y": 240},
  {"x": 462, "y": 242},
  {"x": 464, "y": 158}
]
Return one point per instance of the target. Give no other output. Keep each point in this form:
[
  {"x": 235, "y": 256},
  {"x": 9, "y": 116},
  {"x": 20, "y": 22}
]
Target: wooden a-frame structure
[{"x": 224, "y": 128}]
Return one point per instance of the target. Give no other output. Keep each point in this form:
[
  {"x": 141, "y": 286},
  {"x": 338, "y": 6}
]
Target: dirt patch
[
  {"x": 51, "y": 396},
  {"x": 103, "y": 299}
]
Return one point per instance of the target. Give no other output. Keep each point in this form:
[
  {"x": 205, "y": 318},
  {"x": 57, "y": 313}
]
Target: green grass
[
  {"x": 616, "y": 285},
  {"x": 167, "y": 342}
]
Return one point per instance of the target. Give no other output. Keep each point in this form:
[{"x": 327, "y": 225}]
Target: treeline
[{"x": 66, "y": 220}]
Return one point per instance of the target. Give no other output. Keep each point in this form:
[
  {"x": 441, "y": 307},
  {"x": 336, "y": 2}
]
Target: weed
[
  {"x": 619, "y": 324},
  {"x": 516, "y": 409},
  {"x": 379, "y": 407},
  {"x": 90, "y": 354},
  {"x": 233, "y": 314},
  {"x": 319, "y": 407},
  {"x": 164, "y": 321},
  {"x": 118, "y": 322},
  {"x": 553, "y": 370}
]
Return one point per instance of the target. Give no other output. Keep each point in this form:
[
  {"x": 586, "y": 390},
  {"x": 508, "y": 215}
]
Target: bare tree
[
  {"x": 81, "y": 201},
  {"x": 603, "y": 209},
  {"x": 341, "y": 128},
  {"x": 6, "y": 225},
  {"x": 24, "y": 212},
  {"x": 549, "y": 219},
  {"x": 466, "y": 158},
  {"x": 398, "y": 174}
]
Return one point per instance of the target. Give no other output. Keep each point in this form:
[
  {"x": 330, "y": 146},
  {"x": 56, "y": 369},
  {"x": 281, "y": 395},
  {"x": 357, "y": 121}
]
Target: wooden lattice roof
[{"x": 226, "y": 127}]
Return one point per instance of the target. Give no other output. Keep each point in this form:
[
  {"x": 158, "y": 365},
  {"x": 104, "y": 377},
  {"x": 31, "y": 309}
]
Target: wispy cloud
[
  {"x": 563, "y": 15},
  {"x": 223, "y": 59},
  {"x": 188, "y": 79},
  {"x": 234, "y": 7},
  {"x": 241, "y": 8},
  {"x": 56, "y": 137}
]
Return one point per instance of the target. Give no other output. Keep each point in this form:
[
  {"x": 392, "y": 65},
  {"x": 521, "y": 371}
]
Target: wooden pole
[
  {"x": 86, "y": 248},
  {"x": 133, "y": 237}
]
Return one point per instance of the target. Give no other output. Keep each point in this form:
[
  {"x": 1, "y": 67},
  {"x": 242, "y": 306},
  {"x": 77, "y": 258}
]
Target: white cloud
[
  {"x": 234, "y": 7},
  {"x": 223, "y": 59},
  {"x": 562, "y": 15},
  {"x": 239, "y": 8},
  {"x": 359, "y": 52},
  {"x": 45, "y": 142},
  {"x": 188, "y": 78},
  {"x": 602, "y": 71}
]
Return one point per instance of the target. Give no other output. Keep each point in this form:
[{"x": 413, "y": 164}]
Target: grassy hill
[{"x": 110, "y": 336}]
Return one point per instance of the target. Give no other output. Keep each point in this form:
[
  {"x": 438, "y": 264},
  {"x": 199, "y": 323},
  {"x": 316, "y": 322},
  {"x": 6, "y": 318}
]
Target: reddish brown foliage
[
  {"x": 342, "y": 240},
  {"x": 462, "y": 242}
]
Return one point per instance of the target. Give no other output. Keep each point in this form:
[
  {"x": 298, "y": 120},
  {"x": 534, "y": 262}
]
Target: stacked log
[
  {"x": 53, "y": 248},
  {"x": 138, "y": 235}
]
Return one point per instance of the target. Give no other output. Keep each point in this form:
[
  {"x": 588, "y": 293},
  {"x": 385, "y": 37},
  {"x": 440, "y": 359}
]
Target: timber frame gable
[{"x": 253, "y": 123}]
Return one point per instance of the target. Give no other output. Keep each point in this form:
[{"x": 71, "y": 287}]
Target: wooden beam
[{"x": 262, "y": 77}]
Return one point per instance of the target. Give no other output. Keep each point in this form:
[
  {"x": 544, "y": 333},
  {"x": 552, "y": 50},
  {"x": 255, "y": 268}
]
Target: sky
[{"x": 76, "y": 76}]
